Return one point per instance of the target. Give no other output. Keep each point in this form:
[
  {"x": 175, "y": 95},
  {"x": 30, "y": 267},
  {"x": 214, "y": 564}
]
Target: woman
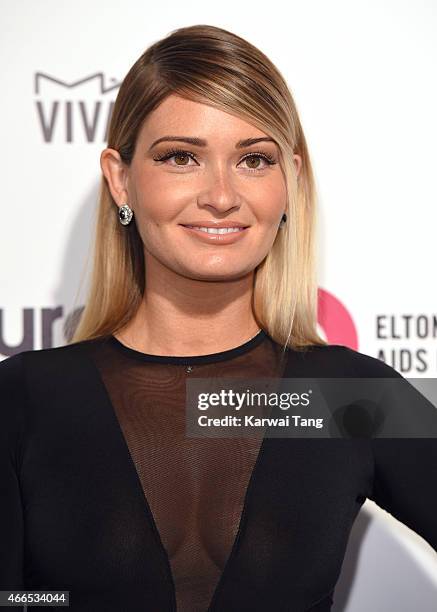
[{"x": 204, "y": 267}]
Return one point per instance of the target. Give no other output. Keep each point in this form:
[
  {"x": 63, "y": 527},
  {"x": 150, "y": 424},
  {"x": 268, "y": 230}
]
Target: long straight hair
[{"x": 210, "y": 65}]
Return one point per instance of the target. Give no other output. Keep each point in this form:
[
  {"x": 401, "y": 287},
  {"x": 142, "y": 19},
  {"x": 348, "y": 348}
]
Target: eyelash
[{"x": 172, "y": 152}]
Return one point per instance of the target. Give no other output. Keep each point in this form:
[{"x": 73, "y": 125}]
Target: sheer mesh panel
[{"x": 194, "y": 487}]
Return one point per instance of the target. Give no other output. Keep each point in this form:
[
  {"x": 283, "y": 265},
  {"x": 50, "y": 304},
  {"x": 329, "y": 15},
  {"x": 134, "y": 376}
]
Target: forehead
[{"x": 179, "y": 116}]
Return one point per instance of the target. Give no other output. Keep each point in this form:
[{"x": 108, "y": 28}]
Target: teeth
[{"x": 217, "y": 230}]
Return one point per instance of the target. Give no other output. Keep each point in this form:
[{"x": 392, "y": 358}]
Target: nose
[{"x": 219, "y": 191}]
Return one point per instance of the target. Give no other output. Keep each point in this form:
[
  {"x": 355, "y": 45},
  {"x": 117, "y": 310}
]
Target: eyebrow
[{"x": 200, "y": 142}]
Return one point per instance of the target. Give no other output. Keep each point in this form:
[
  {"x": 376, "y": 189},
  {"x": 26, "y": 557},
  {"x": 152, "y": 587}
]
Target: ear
[
  {"x": 115, "y": 172},
  {"x": 297, "y": 163}
]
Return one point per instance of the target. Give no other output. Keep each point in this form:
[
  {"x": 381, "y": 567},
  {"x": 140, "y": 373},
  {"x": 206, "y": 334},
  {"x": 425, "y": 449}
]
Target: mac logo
[{"x": 77, "y": 111}]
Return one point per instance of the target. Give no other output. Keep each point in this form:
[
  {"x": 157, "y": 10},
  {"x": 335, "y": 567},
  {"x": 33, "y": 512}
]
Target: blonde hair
[{"x": 210, "y": 65}]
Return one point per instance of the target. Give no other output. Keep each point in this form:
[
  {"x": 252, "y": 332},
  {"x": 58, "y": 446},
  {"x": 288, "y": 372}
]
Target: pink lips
[
  {"x": 209, "y": 238},
  {"x": 200, "y": 223}
]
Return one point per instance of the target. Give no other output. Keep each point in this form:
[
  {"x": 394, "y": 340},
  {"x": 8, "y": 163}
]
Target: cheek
[
  {"x": 158, "y": 205},
  {"x": 268, "y": 198},
  {"x": 157, "y": 201},
  {"x": 268, "y": 210}
]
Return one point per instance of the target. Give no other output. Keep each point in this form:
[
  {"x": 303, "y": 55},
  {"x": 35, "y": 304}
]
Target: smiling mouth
[{"x": 216, "y": 230}]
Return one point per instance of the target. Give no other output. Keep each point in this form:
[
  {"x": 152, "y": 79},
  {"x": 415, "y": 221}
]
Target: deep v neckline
[
  {"x": 151, "y": 521},
  {"x": 153, "y": 524}
]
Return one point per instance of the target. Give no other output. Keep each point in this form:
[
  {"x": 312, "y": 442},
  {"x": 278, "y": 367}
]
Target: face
[{"x": 216, "y": 181}]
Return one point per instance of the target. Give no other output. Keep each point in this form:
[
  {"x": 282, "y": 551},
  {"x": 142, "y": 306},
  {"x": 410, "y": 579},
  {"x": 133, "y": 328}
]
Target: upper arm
[
  {"x": 12, "y": 397},
  {"x": 405, "y": 468}
]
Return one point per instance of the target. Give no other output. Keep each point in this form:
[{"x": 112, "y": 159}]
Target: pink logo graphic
[{"x": 335, "y": 320}]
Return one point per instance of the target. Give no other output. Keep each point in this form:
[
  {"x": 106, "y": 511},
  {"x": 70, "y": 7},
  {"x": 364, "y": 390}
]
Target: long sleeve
[
  {"x": 405, "y": 482},
  {"x": 12, "y": 397},
  {"x": 405, "y": 468}
]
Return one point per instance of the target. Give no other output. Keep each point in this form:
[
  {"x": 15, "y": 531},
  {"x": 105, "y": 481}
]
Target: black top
[{"x": 103, "y": 494}]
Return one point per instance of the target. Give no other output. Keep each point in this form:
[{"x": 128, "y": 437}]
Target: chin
[{"x": 218, "y": 274}]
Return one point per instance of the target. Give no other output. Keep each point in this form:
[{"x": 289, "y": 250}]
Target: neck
[{"x": 184, "y": 316}]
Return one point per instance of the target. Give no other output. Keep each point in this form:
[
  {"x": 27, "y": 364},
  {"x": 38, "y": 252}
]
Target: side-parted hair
[{"x": 210, "y": 65}]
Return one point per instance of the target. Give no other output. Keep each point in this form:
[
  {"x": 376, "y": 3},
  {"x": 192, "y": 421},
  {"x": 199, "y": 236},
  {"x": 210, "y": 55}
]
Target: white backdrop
[{"x": 363, "y": 77}]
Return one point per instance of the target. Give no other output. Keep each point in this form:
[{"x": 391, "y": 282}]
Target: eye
[
  {"x": 178, "y": 154},
  {"x": 266, "y": 157}
]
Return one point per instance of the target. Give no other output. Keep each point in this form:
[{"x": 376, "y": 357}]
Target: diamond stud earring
[{"x": 125, "y": 214}]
